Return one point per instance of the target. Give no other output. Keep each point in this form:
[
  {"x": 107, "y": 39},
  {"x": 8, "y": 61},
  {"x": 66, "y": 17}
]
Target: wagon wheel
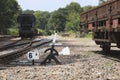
[{"x": 106, "y": 47}]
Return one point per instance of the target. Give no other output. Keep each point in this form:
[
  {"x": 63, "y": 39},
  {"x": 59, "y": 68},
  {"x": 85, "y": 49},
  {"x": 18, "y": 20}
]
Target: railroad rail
[
  {"x": 4, "y": 37},
  {"x": 15, "y": 44},
  {"x": 8, "y": 57},
  {"x": 9, "y": 45}
]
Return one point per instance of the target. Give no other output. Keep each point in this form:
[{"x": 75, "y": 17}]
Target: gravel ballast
[{"x": 86, "y": 62}]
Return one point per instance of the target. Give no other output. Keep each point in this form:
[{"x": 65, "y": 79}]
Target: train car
[
  {"x": 26, "y": 25},
  {"x": 104, "y": 22}
]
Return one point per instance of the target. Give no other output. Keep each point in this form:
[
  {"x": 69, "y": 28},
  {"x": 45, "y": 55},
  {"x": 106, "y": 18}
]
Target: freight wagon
[
  {"x": 26, "y": 25},
  {"x": 104, "y": 22}
]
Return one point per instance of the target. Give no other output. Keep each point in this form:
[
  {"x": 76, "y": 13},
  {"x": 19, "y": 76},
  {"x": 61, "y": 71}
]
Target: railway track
[
  {"x": 16, "y": 43},
  {"x": 5, "y": 37},
  {"x": 20, "y": 49},
  {"x": 9, "y": 45}
]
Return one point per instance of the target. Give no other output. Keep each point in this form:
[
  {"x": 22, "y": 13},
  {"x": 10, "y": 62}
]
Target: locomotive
[
  {"x": 26, "y": 25},
  {"x": 104, "y": 22}
]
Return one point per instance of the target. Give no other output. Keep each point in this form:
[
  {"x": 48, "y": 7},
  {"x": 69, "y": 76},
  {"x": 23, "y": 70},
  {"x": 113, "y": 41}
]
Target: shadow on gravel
[
  {"x": 64, "y": 59},
  {"x": 113, "y": 55},
  {"x": 68, "y": 59},
  {"x": 3, "y": 68}
]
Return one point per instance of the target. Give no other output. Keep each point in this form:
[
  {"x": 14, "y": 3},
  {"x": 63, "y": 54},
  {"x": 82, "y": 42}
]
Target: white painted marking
[
  {"x": 34, "y": 54},
  {"x": 56, "y": 44},
  {"x": 65, "y": 51},
  {"x": 23, "y": 61},
  {"x": 55, "y": 37},
  {"x": 36, "y": 39}
]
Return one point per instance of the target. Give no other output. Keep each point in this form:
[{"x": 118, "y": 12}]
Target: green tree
[
  {"x": 73, "y": 19},
  {"x": 65, "y": 19},
  {"x": 85, "y": 8},
  {"x": 58, "y": 19},
  {"x": 28, "y": 12},
  {"x": 72, "y": 23},
  {"x": 74, "y": 7},
  {"x": 41, "y": 19},
  {"x": 102, "y": 1},
  {"x": 8, "y": 11}
]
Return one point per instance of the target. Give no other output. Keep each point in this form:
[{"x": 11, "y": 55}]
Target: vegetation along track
[{"x": 21, "y": 49}]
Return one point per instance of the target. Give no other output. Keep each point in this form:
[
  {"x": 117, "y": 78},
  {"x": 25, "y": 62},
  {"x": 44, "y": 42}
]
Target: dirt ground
[{"x": 85, "y": 62}]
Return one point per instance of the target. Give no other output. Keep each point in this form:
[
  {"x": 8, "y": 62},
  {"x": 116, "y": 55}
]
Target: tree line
[{"x": 61, "y": 20}]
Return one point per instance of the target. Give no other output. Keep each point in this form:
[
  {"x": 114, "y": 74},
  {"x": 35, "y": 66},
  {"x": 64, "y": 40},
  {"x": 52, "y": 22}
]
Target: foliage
[
  {"x": 85, "y": 8},
  {"x": 41, "y": 32},
  {"x": 49, "y": 32},
  {"x": 28, "y": 12},
  {"x": 72, "y": 23},
  {"x": 8, "y": 12},
  {"x": 89, "y": 35},
  {"x": 65, "y": 19},
  {"x": 57, "y": 20},
  {"x": 102, "y": 1},
  {"x": 74, "y": 7},
  {"x": 41, "y": 19},
  {"x": 13, "y": 31}
]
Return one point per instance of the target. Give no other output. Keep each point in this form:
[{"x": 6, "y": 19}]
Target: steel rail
[
  {"x": 8, "y": 45},
  {"x": 14, "y": 44},
  {"x": 6, "y": 58}
]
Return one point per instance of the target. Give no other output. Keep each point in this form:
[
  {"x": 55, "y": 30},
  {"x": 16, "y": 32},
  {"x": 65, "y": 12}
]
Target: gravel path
[{"x": 86, "y": 62}]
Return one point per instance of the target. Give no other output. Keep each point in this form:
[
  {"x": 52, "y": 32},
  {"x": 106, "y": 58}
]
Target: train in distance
[{"x": 26, "y": 25}]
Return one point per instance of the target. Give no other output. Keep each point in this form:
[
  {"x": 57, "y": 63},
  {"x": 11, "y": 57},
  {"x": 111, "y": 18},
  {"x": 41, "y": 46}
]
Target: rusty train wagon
[{"x": 104, "y": 22}]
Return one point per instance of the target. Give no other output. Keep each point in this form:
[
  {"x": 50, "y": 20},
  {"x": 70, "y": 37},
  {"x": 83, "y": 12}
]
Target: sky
[{"x": 51, "y": 5}]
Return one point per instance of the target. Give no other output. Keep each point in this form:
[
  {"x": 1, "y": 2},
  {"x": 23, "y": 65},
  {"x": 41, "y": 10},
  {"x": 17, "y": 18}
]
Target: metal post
[{"x": 33, "y": 62}]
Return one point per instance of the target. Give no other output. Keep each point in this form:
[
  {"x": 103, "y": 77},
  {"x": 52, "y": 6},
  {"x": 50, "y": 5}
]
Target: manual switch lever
[{"x": 51, "y": 56}]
